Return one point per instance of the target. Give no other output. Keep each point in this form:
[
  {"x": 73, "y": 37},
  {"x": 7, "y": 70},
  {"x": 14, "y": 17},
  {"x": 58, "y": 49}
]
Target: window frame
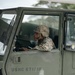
[
  {"x": 13, "y": 11},
  {"x": 47, "y": 12}
]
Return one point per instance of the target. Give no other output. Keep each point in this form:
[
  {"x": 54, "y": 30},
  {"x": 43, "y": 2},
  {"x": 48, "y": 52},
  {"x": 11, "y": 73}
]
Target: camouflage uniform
[{"x": 45, "y": 44}]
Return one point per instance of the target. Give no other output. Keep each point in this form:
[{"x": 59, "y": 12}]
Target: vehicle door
[
  {"x": 69, "y": 49},
  {"x": 34, "y": 62}
]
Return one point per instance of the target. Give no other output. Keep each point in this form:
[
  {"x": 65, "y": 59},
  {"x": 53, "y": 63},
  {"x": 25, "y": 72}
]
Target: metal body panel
[
  {"x": 34, "y": 63},
  {"x": 69, "y": 63}
]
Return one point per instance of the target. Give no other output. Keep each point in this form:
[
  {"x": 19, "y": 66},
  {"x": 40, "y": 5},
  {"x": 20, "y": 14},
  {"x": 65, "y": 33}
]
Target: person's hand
[{"x": 25, "y": 49}]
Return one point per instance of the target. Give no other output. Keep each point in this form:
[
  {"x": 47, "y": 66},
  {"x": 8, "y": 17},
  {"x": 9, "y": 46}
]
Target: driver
[{"x": 41, "y": 35}]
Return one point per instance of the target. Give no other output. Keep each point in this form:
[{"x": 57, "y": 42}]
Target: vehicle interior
[{"x": 25, "y": 36}]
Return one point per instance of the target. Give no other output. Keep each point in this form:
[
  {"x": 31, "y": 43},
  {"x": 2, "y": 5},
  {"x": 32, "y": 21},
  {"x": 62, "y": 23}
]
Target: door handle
[{"x": 16, "y": 59}]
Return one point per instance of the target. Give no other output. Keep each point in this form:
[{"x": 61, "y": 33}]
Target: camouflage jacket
[{"x": 46, "y": 45}]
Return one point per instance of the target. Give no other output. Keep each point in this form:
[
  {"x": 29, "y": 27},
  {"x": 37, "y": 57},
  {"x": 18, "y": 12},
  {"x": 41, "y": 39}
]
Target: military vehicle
[{"x": 17, "y": 27}]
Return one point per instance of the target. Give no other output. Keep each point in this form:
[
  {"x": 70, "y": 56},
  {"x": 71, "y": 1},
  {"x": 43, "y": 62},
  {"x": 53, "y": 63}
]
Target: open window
[{"x": 29, "y": 23}]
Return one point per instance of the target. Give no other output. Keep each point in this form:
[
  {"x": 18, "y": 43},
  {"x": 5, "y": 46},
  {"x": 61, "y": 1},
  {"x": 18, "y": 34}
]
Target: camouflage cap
[{"x": 44, "y": 30}]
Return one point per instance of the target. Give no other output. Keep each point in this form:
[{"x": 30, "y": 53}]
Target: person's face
[{"x": 37, "y": 36}]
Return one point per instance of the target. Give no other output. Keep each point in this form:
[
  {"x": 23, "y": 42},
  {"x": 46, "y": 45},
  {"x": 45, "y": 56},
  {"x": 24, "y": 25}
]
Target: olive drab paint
[{"x": 59, "y": 61}]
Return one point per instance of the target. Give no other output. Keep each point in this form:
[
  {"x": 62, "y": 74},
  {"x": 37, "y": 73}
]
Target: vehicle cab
[{"x": 17, "y": 31}]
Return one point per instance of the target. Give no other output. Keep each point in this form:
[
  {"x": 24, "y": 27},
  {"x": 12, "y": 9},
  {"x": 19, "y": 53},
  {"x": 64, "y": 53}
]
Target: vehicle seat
[{"x": 55, "y": 40}]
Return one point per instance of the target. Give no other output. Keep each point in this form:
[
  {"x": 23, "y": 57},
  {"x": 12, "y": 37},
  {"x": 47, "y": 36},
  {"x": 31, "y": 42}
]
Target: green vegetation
[{"x": 55, "y": 5}]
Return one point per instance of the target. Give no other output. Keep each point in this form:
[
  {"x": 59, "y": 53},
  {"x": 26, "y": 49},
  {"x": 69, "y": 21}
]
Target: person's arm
[{"x": 46, "y": 46}]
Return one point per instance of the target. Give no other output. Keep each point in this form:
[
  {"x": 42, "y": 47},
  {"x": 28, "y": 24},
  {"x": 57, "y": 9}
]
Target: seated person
[{"x": 41, "y": 35}]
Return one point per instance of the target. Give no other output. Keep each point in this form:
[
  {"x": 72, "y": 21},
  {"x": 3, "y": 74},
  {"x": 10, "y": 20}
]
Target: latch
[{"x": 16, "y": 59}]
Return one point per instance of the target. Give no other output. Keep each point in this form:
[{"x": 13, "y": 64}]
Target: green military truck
[{"x": 17, "y": 27}]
